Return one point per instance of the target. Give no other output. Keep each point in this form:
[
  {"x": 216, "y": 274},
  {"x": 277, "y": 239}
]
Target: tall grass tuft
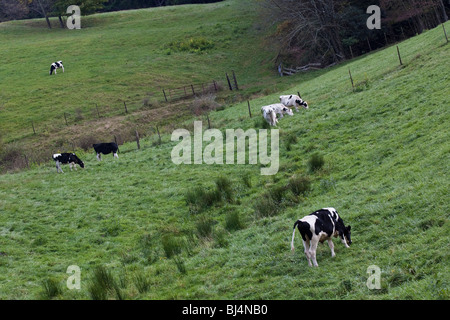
[
  {"x": 316, "y": 162},
  {"x": 233, "y": 221},
  {"x": 51, "y": 288},
  {"x": 204, "y": 227},
  {"x": 141, "y": 282},
  {"x": 299, "y": 185},
  {"x": 171, "y": 245},
  {"x": 102, "y": 283}
]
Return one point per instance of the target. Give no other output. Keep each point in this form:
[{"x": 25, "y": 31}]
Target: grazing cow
[
  {"x": 319, "y": 226},
  {"x": 293, "y": 101},
  {"x": 67, "y": 158},
  {"x": 280, "y": 109},
  {"x": 269, "y": 115},
  {"x": 56, "y": 65},
  {"x": 106, "y": 148}
]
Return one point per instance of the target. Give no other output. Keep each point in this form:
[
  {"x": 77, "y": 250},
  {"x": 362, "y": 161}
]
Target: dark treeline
[
  {"x": 29, "y": 9},
  {"x": 115, "y": 5},
  {"x": 329, "y": 31}
]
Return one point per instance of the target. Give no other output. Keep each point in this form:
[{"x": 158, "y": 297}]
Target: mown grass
[{"x": 385, "y": 162}]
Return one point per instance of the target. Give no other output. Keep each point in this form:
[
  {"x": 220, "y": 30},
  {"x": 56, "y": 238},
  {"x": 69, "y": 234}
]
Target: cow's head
[
  {"x": 76, "y": 160},
  {"x": 288, "y": 111},
  {"x": 302, "y": 103},
  {"x": 346, "y": 236}
]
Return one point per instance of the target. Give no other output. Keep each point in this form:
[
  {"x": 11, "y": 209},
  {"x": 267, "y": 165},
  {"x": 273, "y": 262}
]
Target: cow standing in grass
[
  {"x": 293, "y": 101},
  {"x": 56, "y": 65},
  {"x": 67, "y": 158},
  {"x": 106, "y": 148},
  {"x": 269, "y": 115},
  {"x": 319, "y": 226}
]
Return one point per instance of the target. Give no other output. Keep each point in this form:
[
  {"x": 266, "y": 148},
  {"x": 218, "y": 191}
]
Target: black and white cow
[
  {"x": 293, "y": 101},
  {"x": 56, "y": 65},
  {"x": 269, "y": 115},
  {"x": 106, "y": 148},
  {"x": 67, "y": 158},
  {"x": 319, "y": 226}
]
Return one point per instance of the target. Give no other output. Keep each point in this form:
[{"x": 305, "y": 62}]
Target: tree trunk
[
  {"x": 48, "y": 22},
  {"x": 61, "y": 23}
]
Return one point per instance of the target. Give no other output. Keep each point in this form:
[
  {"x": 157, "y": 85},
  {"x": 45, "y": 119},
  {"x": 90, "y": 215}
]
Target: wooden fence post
[
  {"x": 215, "y": 85},
  {"x": 165, "y": 97},
  {"x": 235, "y": 81},
  {"x": 351, "y": 78},
  {"x": 137, "y": 140},
  {"x": 32, "y": 124},
  {"x": 229, "y": 83},
  {"x": 125, "y": 105},
  {"x": 192, "y": 87},
  {"x": 249, "y": 110},
  {"x": 65, "y": 119},
  {"x": 445, "y": 33},
  {"x": 399, "y": 57},
  {"x": 368, "y": 42},
  {"x": 159, "y": 135},
  {"x": 351, "y": 51},
  {"x": 209, "y": 123}
]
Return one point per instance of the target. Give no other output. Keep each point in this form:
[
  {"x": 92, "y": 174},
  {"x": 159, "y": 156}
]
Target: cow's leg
[
  {"x": 63, "y": 68},
  {"x": 99, "y": 158},
  {"x": 116, "y": 155},
  {"x": 331, "y": 245},
  {"x": 308, "y": 257},
  {"x": 58, "y": 167},
  {"x": 312, "y": 251}
]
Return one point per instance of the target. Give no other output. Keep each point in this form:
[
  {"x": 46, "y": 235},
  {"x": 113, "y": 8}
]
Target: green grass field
[{"x": 141, "y": 227}]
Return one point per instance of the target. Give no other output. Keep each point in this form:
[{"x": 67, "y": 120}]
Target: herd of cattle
[
  {"x": 270, "y": 112},
  {"x": 73, "y": 160},
  {"x": 316, "y": 227}
]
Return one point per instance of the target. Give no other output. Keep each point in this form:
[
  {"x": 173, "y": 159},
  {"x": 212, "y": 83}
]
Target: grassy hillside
[
  {"x": 121, "y": 56},
  {"x": 146, "y": 221}
]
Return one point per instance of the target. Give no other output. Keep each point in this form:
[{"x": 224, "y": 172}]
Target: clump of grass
[
  {"x": 192, "y": 45},
  {"x": 51, "y": 288},
  {"x": 141, "y": 282},
  {"x": 247, "y": 179},
  {"x": 299, "y": 185},
  {"x": 201, "y": 198},
  {"x": 205, "y": 226},
  {"x": 233, "y": 221},
  {"x": 103, "y": 283},
  {"x": 266, "y": 206},
  {"x": 179, "y": 262},
  {"x": 316, "y": 162},
  {"x": 171, "y": 245},
  {"x": 224, "y": 188}
]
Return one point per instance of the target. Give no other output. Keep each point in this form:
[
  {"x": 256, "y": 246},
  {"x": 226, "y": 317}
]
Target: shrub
[
  {"x": 316, "y": 162},
  {"x": 203, "y": 104}
]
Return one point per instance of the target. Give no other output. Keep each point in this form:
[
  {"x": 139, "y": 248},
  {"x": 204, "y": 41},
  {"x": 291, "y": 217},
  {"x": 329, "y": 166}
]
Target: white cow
[
  {"x": 269, "y": 115},
  {"x": 281, "y": 109},
  {"x": 293, "y": 101}
]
